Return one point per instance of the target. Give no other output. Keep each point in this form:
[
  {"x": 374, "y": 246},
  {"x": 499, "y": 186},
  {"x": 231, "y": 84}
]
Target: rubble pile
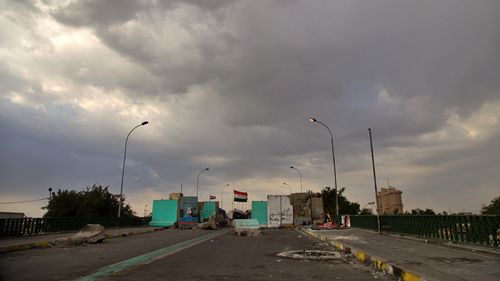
[{"x": 89, "y": 234}]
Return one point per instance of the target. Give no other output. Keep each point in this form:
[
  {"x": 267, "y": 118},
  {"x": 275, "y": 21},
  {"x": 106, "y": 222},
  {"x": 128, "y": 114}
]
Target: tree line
[
  {"x": 92, "y": 202},
  {"x": 97, "y": 201},
  {"x": 353, "y": 208}
]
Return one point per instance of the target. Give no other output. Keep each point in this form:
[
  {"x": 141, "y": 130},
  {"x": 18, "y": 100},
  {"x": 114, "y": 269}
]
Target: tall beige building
[{"x": 389, "y": 201}]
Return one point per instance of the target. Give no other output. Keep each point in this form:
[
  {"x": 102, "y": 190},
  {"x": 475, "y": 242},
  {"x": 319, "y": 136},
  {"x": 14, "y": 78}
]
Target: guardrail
[
  {"x": 482, "y": 230},
  {"x": 11, "y": 227}
]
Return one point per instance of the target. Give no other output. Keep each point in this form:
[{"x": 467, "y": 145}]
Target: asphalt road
[
  {"x": 171, "y": 255},
  {"x": 72, "y": 262}
]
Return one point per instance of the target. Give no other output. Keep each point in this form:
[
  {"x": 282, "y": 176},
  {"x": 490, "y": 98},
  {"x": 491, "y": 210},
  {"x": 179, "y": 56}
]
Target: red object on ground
[{"x": 328, "y": 225}]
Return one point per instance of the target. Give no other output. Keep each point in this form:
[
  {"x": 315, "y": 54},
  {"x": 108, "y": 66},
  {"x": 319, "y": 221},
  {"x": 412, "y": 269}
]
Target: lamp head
[
  {"x": 291, "y": 167},
  {"x": 206, "y": 169},
  {"x": 313, "y": 120},
  {"x": 144, "y": 123}
]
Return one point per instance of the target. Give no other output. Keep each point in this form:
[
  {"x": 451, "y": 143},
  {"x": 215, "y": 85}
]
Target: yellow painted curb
[
  {"x": 360, "y": 255},
  {"x": 408, "y": 276},
  {"x": 16, "y": 248},
  {"x": 43, "y": 244},
  {"x": 381, "y": 265},
  {"x": 365, "y": 258}
]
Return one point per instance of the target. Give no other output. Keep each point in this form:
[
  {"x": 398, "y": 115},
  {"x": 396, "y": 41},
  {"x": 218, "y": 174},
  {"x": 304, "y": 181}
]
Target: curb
[
  {"x": 117, "y": 235},
  {"x": 20, "y": 247},
  {"x": 363, "y": 257},
  {"x": 46, "y": 244},
  {"x": 450, "y": 244}
]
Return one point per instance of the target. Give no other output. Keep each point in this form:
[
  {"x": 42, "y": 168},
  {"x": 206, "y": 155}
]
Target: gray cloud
[{"x": 230, "y": 85}]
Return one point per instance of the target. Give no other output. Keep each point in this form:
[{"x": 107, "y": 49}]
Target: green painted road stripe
[{"x": 150, "y": 257}]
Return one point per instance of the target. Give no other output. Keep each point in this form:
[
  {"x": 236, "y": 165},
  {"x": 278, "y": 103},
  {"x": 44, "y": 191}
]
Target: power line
[{"x": 24, "y": 201}]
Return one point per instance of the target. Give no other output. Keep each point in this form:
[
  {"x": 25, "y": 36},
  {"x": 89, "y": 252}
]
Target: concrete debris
[
  {"x": 175, "y": 196},
  {"x": 311, "y": 255},
  {"x": 89, "y": 234},
  {"x": 211, "y": 224},
  {"x": 241, "y": 231}
]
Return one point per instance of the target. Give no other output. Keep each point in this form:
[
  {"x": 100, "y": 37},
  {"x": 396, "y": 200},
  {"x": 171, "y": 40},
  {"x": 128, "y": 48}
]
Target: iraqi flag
[{"x": 240, "y": 196}]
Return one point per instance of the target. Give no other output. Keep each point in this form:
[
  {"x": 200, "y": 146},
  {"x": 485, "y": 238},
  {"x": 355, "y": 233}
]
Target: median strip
[{"x": 150, "y": 257}]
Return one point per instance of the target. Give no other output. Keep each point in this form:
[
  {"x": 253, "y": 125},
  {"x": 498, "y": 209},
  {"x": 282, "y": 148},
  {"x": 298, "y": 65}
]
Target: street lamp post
[
  {"x": 314, "y": 120},
  {"x": 288, "y": 186},
  {"x": 198, "y": 180},
  {"x": 300, "y": 174},
  {"x": 50, "y": 193},
  {"x": 221, "y": 197},
  {"x": 375, "y": 181},
  {"x": 123, "y": 166}
]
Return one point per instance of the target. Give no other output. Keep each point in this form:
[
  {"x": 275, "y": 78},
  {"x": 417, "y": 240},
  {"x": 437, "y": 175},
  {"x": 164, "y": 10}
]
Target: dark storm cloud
[
  {"x": 94, "y": 12},
  {"x": 277, "y": 55},
  {"x": 90, "y": 12}
]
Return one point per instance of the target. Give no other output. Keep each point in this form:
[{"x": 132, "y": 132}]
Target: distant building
[{"x": 389, "y": 201}]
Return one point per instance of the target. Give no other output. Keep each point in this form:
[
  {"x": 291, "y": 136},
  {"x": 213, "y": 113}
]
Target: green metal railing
[
  {"x": 483, "y": 230},
  {"x": 10, "y": 227},
  {"x": 369, "y": 222}
]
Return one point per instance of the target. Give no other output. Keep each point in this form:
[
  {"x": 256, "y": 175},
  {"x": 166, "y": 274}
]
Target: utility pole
[{"x": 374, "y": 180}]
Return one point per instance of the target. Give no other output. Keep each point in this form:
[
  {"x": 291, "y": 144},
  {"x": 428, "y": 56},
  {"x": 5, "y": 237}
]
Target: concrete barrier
[{"x": 248, "y": 227}]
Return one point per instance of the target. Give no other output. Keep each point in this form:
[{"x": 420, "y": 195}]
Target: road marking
[{"x": 150, "y": 257}]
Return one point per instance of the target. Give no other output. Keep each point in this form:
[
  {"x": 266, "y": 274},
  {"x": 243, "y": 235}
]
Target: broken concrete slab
[
  {"x": 90, "y": 234},
  {"x": 211, "y": 224}
]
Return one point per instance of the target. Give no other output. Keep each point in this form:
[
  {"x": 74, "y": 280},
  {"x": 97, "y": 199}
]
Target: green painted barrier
[
  {"x": 259, "y": 212},
  {"x": 246, "y": 223},
  {"x": 164, "y": 213},
  {"x": 208, "y": 210}
]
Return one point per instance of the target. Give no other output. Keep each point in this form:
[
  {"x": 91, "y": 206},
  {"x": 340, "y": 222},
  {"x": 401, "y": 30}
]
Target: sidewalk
[
  {"x": 413, "y": 259},
  {"x": 10, "y": 244}
]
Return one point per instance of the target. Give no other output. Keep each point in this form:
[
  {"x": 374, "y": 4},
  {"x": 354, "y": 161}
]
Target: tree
[
  {"x": 493, "y": 208},
  {"x": 366, "y": 212},
  {"x": 345, "y": 206},
  {"x": 94, "y": 201},
  {"x": 419, "y": 211}
]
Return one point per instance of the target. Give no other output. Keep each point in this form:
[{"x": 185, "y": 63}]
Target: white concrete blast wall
[{"x": 279, "y": 211}]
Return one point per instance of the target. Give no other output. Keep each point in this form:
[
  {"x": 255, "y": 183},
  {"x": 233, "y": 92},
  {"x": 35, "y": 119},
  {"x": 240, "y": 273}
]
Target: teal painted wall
[
  {"x": 259, "y": 211},
  {"x": 164, "y": 212},
  {"x": 209, "y": 209}
]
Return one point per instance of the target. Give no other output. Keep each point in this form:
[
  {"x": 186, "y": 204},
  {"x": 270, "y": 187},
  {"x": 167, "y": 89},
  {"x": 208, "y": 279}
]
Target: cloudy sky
[{"x": 230, "y": 85}]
